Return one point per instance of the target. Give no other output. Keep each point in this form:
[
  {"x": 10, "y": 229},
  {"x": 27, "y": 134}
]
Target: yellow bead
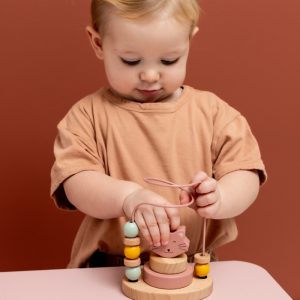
[
  {"x": 132, "y": 252},
  {"x": 201, "y": 270}
]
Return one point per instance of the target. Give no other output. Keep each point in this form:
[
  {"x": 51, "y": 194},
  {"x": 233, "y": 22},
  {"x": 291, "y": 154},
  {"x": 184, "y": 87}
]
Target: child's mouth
[{"x": 149, "y": 93}]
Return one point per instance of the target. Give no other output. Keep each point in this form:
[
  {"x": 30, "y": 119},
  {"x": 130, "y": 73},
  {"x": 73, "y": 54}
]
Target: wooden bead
[
  {"x": 165, "y": 265},
  {"x": 131, "y": 230},
  {"x": 131, "y": 263},
  {"x": 132, "y": 252},
  {"x": 132, "y": 241},
  {"x": 201, "y": 270},
  {"x": 202, "y": 259},
  {"x": 133, "y": 274}
]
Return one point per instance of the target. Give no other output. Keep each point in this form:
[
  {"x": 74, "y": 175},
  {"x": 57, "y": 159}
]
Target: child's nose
[{"x": 150, "y": 76}]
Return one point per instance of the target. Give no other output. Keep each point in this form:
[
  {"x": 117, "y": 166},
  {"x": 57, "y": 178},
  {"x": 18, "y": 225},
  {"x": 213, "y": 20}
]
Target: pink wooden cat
[{"x": 178, "y": 244}]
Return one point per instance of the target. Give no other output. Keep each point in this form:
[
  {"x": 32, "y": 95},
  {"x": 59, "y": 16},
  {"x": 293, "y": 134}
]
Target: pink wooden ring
[{"x": 167, "y": 281}]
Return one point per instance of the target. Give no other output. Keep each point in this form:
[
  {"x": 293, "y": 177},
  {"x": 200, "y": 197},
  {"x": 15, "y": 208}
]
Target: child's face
[{"x": 145, "y": 60}]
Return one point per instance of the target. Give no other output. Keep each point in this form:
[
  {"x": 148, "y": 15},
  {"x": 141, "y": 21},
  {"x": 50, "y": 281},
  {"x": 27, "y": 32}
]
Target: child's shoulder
[
  {"x": 89, "y": 104},
  {"x": 93, "y": 98},
  {"x": 86, "y": 108},
  {"x": 211, "y": 103}
]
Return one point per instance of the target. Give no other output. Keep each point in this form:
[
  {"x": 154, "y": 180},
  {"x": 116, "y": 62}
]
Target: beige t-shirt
[{"x": 167, "y": 140}]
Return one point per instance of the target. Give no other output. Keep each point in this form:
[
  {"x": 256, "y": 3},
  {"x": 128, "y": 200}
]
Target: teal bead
[
  {"x": 131, "y": 230},
  {"x": 133, "y": 274}
]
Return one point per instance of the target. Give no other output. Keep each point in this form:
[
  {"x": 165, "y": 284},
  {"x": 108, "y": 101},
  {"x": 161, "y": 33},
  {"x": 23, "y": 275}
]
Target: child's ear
[
  {"x": 194, "y": 31},
  {"x": 95, "y": 40}
]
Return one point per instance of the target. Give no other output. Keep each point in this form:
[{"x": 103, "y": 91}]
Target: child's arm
[
  {"x": 104, "y": 197},
  {"x": 226, "y": 198}
]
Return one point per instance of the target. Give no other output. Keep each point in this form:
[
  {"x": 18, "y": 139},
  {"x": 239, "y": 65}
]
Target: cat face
[{"x": 178, "y": 244}]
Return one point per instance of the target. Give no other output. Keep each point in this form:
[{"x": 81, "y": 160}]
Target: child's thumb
[
  {"x": 199, "y": 177},
  {"x": 184, "y": 197}
]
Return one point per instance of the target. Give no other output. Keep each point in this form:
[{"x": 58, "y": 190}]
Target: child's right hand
[{"x": 153, "y": 222}]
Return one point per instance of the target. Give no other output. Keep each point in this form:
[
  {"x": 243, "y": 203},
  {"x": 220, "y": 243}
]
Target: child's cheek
[{"x": 175, "y": 78}]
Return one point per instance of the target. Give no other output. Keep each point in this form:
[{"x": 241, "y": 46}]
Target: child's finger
[
  {"x": 174, "y": 218},
  {"x": 207, "y": 186},
  {"x": 207, "y": 211},
  {"x": 143, "y": 227},
  {"x": 205, "y": 200},
  {"x": 163, "y": 224},
  {"x": 184, "y": 197},
  {"x": 200, "y": 177},
  {"x": 152, "y": 226}
]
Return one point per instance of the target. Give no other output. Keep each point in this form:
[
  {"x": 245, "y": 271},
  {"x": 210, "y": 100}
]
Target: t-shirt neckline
[{"x": 167, "y": 106}]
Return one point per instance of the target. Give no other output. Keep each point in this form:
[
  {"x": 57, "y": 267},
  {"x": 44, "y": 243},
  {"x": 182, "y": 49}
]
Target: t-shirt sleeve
[
  {"x": 234, "y": 146},
  {"x": 75, "y": 150}
]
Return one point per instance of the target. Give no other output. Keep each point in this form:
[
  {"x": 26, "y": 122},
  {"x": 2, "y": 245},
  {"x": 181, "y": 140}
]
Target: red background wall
[{"x": 246, "y": 51}]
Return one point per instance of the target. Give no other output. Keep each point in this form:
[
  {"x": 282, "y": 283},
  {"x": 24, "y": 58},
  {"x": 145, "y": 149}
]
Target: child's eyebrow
[
  {"x": 120, "y": 51},
  {"x": 177, "y": 51},
  {"x": 128, "y": 52}
]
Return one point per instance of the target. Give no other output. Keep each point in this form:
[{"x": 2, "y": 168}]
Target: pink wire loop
[
  {"x": 166, "y": 183},
  {"x": 160, "y": 205}
]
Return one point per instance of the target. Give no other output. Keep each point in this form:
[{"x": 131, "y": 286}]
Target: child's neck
[{"x": 170, "y": 98}]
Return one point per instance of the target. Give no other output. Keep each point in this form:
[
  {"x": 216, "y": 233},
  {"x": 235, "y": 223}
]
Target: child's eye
[
  {"x": 130, "y": 62},
  {"x": 167, "y": 62}
]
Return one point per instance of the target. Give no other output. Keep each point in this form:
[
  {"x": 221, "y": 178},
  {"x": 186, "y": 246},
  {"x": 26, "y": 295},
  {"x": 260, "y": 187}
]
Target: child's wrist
[{"x": 128, "y": 205}]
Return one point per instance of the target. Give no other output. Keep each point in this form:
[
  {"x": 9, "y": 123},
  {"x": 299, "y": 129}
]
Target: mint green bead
[
  {"x": 131, "y": 230},
  {"x": 133, "y": 274}
]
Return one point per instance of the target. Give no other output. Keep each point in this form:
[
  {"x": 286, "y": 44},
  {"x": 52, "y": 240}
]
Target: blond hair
[{"x": 182, "y": 10}]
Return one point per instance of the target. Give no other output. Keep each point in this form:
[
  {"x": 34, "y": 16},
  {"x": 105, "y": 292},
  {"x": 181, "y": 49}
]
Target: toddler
[{"x": 147, "y": 123}]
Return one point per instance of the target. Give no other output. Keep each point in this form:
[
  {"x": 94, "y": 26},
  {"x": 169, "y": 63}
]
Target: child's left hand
[{"x": 206, "y": 194}]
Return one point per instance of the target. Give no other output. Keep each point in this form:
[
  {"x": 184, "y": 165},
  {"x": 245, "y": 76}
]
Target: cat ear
[
  {"x": 181, "y": 229},
  {"x": 181, "y": 235}
]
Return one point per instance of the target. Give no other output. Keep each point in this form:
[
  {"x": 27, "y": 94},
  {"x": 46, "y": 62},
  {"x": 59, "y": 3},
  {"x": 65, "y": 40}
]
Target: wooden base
[{"x": 198, "y": 289}]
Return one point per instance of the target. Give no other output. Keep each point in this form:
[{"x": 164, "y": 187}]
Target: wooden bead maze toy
[{"x": 167, "y": 274}]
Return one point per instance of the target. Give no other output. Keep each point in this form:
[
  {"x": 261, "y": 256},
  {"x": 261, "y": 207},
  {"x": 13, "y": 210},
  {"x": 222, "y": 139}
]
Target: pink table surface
[{"x": 232, "y": 280}]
